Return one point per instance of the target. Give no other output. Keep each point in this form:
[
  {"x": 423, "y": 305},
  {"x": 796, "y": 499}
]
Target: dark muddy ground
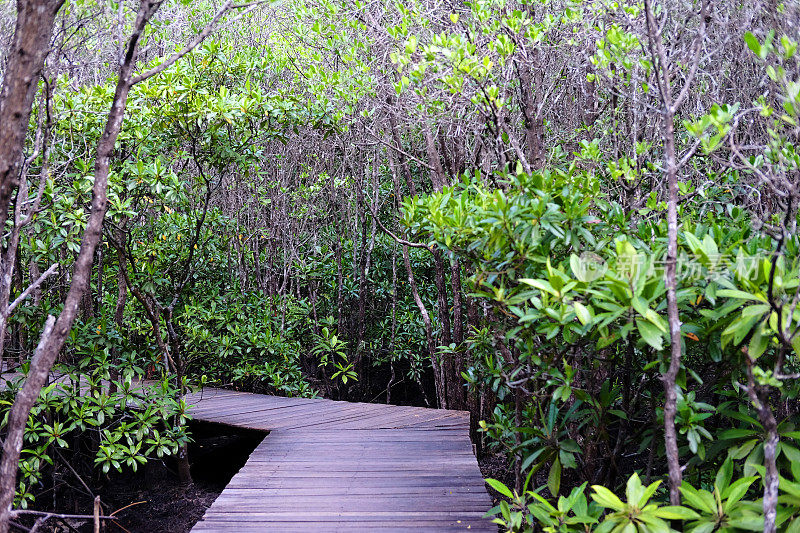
[{"x": 152, "y": 500}]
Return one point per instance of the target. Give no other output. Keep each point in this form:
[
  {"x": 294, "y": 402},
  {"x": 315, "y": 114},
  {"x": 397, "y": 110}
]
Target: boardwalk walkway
[{"x": 340, "y": 466}]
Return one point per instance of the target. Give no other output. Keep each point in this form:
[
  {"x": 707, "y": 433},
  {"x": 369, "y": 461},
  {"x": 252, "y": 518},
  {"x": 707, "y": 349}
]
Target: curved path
[{"x": 341, "y": 466}]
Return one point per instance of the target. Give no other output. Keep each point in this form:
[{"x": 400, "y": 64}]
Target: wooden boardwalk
[{"x": 340, "y": 466}]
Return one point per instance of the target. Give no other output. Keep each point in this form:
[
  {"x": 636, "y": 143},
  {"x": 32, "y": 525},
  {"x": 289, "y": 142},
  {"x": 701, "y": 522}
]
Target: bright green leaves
[
  {"x": 723, "y": 507},
  {"x": 126, "y": 438},
  {"x": 558, "y": 283},
  {"x": 636, "y": 493},
  {"x": 606, "y": 498},
  {"x": 712, "y": 127},
  {"x": 582, "y": 312},
  {"x": 555, "y": 303},
  {"x": 508, "y": 235},
  {"x": 637, "y": 513},
  {"x": 703, "y": 511},
  {"x": 621, "y": 290},
  {"x": 759, "y": 49},
  {"x": 706, "y": 251},
  {"x": 499, "y": 487},
  {"x": 465, "y": 58},
  {"x": 503, "y": 45},
  {"x": 758, "y": 321},
  {"x": 650, "y": 334},
  {"x": 620, "y": 48},
  {"x": 742, "y": 325},
  {"x": 568, "y": 514},
  {"x": 779, "y": 59},
  {"x": 332, "y": 352},
  {"x": 410, "y": 45}
]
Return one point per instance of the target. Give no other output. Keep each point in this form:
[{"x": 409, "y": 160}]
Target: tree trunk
[
  {"x": 533, "y": 123},
  {"x": 759, "y": 396},
  {"x": 671, "y": 281},
  {"x": 57, "y": 331},
  {"x": 669, "y": 106},
  {"x": 122, "y": 292},
  {"x": 339, "y": 283},
  {"x": 26, "y": 57},
  {"x": 458, "y": 391},
  {"x": 437, "y": 174},
  {"x": 426, "y": 319}
]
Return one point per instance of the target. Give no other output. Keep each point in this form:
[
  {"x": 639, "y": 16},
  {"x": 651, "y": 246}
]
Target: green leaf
[
  {"x": 606, "y": 498},
  {"x": 737, "y": 433},
  {"x": 724, "y": 475},
  {"x": 759, "y": 342},
  {"x": 736, "y": 491},
  {"x": 703, "y": 527},
  {"x": 640, "y": 305},
  {"x": 789, "y": 487},
  {"x": 796, "y": 344},
  {"x": 531, "y": 458},
  {"x": 752, "y": 43},
  {"x": 634, "y": 490},
  {"x": 792, "y": 453},
  {"x": 567, "y": 459},
  {"x": 695, "y": 498},
  {"x": 650, "y": 334},
  {"x": 582, "y": 313},
  {"x": 676, "y": 512},
  {"x": 748, "y": 522},
  {"x": 554, "y": 477},
  {"x": 743, "y": 450},
  {"x": 739, "y": 329},
  {"x": 794, "y": 526},
  {"x": 740, "y": 295},
  {"x": 499, "y": 487},
  {"x": 540, "y": 284},
  {"x": 648, "y": 492}
]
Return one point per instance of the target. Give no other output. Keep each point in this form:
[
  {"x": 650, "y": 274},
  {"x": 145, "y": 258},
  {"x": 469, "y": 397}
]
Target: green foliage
[
  {"x": 578, "y": 287},
  {"x": 722, "y": 509},
  {"x": 531, "y": 512},
  {"x": 232, "y": 338},
  {"x": 637, "y": 513},
  {"x": 86, "y": 401}
]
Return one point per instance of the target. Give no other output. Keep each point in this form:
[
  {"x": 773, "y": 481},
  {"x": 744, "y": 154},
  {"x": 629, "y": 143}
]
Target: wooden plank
[
  {"x": 426, "y": 526},
  {"x": 321, "y": 413},
  {"x": 387, "y": 421},
  {"x": 334, "y": 503},
  {"x": 374, "y": 412},
  {"x": 307, "y": 480},
  {"x": 348, "y": 516},
  {"x": 358, "y": 490}
]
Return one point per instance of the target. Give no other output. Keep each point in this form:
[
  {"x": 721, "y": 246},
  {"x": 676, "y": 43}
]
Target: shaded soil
[
  {"x": 152, "y": 500},
  {"x": 166, "y": 507},
  {"x": 496, "y": 466},
  {"x": 216, "y": 455}
]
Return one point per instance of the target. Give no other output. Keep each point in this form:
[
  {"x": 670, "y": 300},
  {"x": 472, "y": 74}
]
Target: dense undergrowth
[{"x": 576, "y": 220}]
